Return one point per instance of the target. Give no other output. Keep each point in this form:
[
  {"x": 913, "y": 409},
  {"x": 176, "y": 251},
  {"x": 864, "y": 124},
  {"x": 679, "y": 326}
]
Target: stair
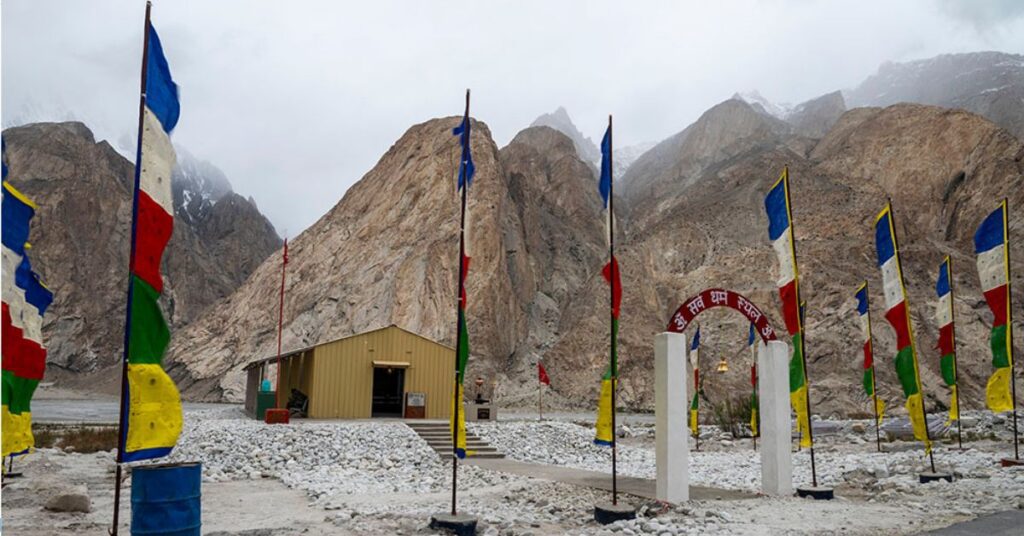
[{"x": 439, "y": 437}]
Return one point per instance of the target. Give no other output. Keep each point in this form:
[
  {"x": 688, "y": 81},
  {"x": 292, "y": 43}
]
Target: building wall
[
  {"x": 341, "y": 385},
  {"x": 252, "y": 386},
  {"x": 297, "y": 374}
]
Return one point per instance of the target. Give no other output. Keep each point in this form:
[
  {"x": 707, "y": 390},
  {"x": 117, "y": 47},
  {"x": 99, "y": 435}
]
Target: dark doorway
[{"x": 388, "y": 386}]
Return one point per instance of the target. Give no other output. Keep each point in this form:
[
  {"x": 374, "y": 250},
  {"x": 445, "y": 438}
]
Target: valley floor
[{"x": 379, "y": 477}]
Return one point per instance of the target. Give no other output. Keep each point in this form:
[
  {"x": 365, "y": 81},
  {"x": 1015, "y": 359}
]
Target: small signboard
[{"x": 415, "y": 405}]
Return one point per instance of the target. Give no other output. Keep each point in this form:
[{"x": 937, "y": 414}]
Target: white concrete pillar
[
  {"x": 672, "y": 447},
  {"x": 773, "y": 396}
]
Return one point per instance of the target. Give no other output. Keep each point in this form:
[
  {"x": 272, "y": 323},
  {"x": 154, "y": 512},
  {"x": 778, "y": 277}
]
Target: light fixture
[{"x": 722, "y": 367}]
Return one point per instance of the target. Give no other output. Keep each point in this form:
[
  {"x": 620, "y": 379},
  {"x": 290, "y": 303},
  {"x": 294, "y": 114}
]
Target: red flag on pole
[{"x": 542, "y": 375}]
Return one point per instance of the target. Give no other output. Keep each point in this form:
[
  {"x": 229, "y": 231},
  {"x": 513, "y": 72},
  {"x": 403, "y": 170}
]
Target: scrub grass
[
  {"x": 733, "y": 416},
  {"x": 84, "y": 439}
]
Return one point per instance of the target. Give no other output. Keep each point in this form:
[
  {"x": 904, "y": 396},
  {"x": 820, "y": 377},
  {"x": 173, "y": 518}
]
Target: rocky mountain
[
  {"x": 812, "y": 118},
  {"x": 81, "y": 235},
  {"x": 761, "y": 104},
  {"x": 196, "y": 185},
  {"x": 728, "y": 130},
  {"x": 815, "y": 117},
  {"x": 944, "y": 170},
  {"x": 623, "y": 157},
  {"x": 386, "y": 254},
  {"x": 990, "y": 84},
  {"x": 689, "y": 219},
  {"x": 560, "y": 121}
]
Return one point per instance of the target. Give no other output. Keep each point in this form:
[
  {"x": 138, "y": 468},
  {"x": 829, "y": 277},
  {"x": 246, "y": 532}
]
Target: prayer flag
[
  {"x": 898, "y": 317},
  {"x": 780, "y": 232},
  {"x": 992, "y": 248},
  {"x": 153, "y": 407}
]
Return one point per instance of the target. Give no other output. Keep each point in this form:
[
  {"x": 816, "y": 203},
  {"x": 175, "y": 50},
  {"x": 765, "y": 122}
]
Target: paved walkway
[
  {"x": 641, "y": 487},
  {"x": 1009, "y": 523}
]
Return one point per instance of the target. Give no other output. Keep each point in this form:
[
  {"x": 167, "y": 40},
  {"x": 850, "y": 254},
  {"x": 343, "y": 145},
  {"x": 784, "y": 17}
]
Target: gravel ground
[{"x": 365, "y": 477}]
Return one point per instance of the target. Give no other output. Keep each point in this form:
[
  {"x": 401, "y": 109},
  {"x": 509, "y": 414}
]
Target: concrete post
[
  {"x": 773, "y": 395},
  {"x": 672, "y": 447}
]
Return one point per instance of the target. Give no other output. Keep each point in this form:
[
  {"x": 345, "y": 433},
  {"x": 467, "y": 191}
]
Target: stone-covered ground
[{"x": 378, "y": 477}]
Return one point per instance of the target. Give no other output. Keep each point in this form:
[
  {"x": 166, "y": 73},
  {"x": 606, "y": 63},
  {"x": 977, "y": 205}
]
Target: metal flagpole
[
  {"x": 874, "y": 398},
  {"x": 611, "y": 312},
  {"x": 280, "y": 325},
  {"x": 696, "y": 394},
  {"x": 753, "y": 373},
  {"x": 128, "y": 308},
  {"x": 956, "y": 371},
  {"x": 874, "y": 381},
  {"x": 458, "y": 323},
  {"x": 1009, "y": 328},
  {"x": 540, "y": 399},
  {"x": 910, "y": 331},
  {"x": 803, "y": 332}
]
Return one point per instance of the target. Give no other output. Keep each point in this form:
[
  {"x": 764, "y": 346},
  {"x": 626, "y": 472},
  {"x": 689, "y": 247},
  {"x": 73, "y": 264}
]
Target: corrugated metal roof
[{"x": 293, "y": 353}]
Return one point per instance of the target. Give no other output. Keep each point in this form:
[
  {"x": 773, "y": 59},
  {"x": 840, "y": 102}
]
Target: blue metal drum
[{"x": 166, "y": 499}]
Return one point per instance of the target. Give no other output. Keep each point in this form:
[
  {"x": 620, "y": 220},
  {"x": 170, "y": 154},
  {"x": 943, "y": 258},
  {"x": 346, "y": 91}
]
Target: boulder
[{"x": 75, "y": 499}]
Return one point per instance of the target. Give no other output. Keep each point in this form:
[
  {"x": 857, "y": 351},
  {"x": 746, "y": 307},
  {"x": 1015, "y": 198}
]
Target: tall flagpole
[
  {"x": 874, "y": 398},
  {"x": 910, "y": 331},
  {"x": 956, "y": 367},
  {"x": 280, "y": 325},
  {"x": 696, "y": 393},
  {"x": 128, "y": 308},
  {"x": 540, "y": 395},
  {"x": 458, "y": 323},
  {"x": 611, "y": 311},
  {"x": 803, "y": 333},
  {"x": 1009, "y": 328},
  {"x": 753, "y": 373},
  {"x": 874, "y": 382}
]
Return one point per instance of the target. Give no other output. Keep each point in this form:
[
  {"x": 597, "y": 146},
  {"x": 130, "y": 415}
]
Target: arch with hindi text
[{"x": 718, "y": 297}]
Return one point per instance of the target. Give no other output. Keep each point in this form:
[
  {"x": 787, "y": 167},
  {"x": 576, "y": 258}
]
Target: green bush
[{"x": 733, "y": 415}]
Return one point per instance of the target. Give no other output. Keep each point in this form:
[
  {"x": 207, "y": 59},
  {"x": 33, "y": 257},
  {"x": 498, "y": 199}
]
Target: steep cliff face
[
  {"x": 563, "y": 239},
  {"x": 727, "y": 131},
  {"x": 82, "y": 232},
  {"x": 559, "y": 120},
  {"x": 944, "y": 170},
  {"x": 385, "y": 254},
  {"x": 815, "y": 117}
]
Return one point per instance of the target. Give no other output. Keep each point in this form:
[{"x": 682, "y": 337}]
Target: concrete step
[
  {"x": 448, "y": 437},
  {"x": 438, "y": 437},
  {"x": 468, "y": 446}
]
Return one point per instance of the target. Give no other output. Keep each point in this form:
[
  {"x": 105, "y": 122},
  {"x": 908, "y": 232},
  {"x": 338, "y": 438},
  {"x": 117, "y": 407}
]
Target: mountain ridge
[{"x": 81, "y": 232}]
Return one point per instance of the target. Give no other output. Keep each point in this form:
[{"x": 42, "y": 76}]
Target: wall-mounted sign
[{"x": 416, "y": 399}]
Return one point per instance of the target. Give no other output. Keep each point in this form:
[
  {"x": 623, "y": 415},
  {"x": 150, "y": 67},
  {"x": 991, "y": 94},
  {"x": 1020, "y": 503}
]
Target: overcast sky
[{"x": 296, "y": 100}]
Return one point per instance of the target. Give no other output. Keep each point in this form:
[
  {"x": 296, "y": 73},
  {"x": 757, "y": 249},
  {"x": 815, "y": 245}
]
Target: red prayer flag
[
  {"x": 611, "y": 274},
  {"x": 542, "y": 375}
]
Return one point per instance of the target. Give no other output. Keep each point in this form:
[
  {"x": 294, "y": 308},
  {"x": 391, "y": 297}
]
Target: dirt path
[
  {"x": 641, "y": 487},
  {"x": 252, "y": 508}
]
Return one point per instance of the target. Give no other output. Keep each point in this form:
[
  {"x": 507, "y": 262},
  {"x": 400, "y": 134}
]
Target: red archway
[{"x": 717, "y": 297}]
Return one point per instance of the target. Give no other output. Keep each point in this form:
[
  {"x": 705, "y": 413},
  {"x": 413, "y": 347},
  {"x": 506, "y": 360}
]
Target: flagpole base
[
  {"x": 605, "y": 513},
  {"x": 1011, "y": 462},
  {"x": 818, "y": 493},
  {"x": 925, "y": 478},
  {"x": 457, "y": 524}
]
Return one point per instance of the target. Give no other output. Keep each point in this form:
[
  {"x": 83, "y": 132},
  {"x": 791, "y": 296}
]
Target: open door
[{"x": 388, "y": 388}]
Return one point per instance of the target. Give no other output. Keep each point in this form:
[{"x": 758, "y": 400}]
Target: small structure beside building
[{"x": 388, "y": 372}]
